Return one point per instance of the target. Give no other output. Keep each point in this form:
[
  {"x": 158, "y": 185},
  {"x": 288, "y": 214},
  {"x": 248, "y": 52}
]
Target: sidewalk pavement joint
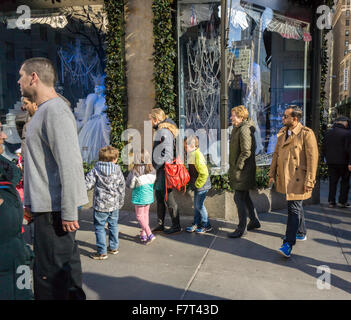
[
  {"x": 199, "y": 266},
  {"x": 335, "y": 234}
]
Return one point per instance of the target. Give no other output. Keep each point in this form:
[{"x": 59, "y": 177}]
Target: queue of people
[{"x": 55, "y": 185}]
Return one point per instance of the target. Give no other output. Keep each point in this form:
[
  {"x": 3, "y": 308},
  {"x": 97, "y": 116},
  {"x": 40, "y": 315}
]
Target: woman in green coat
[
  {"x": 242, "y": 169},
  {"x": 15, "y": 276}
]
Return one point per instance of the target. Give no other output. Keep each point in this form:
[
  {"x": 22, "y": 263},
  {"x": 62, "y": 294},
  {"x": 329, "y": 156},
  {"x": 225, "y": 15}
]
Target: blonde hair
[
  {"x": 142, "y": 159},
  {"x": 192, "y": 140},
  {"x": 108, "y": 154},
  {"x": 158, "y": 114},
  {"x": 241, "y": 112}
]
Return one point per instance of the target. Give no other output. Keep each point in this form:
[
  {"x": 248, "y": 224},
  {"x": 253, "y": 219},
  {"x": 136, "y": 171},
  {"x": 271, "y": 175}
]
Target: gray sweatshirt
[{"x": 53, "y": 169}]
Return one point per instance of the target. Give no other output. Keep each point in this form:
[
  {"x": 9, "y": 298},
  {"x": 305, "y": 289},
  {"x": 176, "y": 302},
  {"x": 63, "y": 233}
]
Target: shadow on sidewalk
[
  {"x": 132, "y": 288},
  {"x": 251, "y": 250},
  {"x": 318, "y": 218}
]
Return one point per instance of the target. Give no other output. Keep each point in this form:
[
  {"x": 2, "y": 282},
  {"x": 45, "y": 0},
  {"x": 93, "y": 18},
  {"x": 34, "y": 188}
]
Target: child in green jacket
[{"x": 199, "y": 182}]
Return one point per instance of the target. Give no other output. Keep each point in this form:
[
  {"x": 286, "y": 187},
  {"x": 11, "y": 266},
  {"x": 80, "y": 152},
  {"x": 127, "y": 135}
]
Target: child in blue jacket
[
  {"x": 141, "y": 179},
  {"x": 109, "y": 190}
]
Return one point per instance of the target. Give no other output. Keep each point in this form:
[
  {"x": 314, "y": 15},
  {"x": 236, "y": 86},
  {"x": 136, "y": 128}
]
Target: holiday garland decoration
[
  {"x": 322, "y": 168},
  {"x": 116, "y": 89},
  {"x": 165, "y": 55}
]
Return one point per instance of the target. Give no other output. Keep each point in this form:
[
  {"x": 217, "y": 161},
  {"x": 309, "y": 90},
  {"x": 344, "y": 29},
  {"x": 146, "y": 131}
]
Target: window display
[
  {"x": 73, "y": 38},
  {"x": 266, "y": 66}
]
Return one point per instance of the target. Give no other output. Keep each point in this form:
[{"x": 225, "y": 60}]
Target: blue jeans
[
  {"x": 296, "y": 221},
  {"x": 200, "y": 212},
  {"x": 100, "y": 219}
]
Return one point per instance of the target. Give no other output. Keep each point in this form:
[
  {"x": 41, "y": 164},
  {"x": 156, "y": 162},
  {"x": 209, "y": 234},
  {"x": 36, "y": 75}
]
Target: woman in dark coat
[
  {"x": 242, "y": 169},
  {"x": 15, "y": 277},
  {"x": 164, "y": 142}
]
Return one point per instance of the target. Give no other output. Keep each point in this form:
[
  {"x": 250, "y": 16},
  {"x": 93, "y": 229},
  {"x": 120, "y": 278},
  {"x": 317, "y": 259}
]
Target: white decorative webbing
[
  {"x": 79, "y": 65},
  {"x": 202, "y": 90}
]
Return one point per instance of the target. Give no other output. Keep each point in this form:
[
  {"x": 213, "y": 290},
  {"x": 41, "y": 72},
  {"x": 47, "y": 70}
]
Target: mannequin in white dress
[{"x": 95, "y": 133}]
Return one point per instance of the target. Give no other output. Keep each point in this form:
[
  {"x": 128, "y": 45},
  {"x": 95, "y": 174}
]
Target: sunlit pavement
[{"x": 212, "y": 266}]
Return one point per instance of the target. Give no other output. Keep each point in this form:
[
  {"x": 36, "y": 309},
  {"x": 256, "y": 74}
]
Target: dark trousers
[
  {"x": 296, "y": 221},
  {"x": 335, "y": 172},
  {"x": 170, "y": 204},
  {"x": 245, "y": 208},
  {"x": 57, "y": 271}
]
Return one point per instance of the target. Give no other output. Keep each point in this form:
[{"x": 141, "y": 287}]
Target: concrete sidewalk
[{"x": 212, "y": 266}]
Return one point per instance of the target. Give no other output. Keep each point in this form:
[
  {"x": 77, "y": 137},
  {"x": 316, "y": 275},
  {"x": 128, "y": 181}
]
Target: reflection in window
[
  {"x": 45, "y": 40},
  {"x": 199, "y": 41},
  {"x": 43, "y": 31},
  {"x": 10, "y": 50},
  {"x": 267, "y": 51},
  {"x": 265, "y": 64},
  {"x": 58, "y": 38},
  {"x": 10, "y": 80},
  {"x": 28, "y": 53}
]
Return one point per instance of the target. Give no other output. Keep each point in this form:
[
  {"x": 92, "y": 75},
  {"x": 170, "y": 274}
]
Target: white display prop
[
  {"x": 253, "y": 102},
  {"x": 79, "y": 113},
  {"x": 17, "y": 110},
  {"x": 95, "y": 132},
  {"x": 13, "y": 137}
]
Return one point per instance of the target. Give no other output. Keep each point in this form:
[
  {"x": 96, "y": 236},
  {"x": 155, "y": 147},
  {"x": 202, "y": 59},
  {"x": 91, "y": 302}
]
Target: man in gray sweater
[{"x": 54, "y": 185}]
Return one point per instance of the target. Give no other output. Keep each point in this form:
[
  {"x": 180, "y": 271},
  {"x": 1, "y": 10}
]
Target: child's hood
[{"x": 106, "y": 168}]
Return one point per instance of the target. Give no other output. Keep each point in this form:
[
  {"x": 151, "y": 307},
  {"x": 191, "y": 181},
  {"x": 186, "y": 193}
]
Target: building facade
[
  {"x": 341, "y": 54},
  {"x": 267, "y": 49}
]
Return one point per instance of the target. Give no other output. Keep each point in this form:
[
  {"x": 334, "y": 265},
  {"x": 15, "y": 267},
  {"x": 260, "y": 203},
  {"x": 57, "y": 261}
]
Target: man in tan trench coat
[{"x": 293, "y": 170}]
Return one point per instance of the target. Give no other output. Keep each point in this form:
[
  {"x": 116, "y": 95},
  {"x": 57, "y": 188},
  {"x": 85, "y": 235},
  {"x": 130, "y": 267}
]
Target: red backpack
[{"x": 176, "y": 175}]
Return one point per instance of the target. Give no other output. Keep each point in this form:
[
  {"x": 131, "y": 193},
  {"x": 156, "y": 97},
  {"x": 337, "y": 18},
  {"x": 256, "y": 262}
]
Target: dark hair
[
  {"x": 296, "y": 111},
  {"x": 43, "y": 67}
]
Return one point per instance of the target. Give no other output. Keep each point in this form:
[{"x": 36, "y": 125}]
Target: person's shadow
[{"x": 133, "y": 288}]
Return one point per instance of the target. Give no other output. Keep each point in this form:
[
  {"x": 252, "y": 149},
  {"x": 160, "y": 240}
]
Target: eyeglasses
[{"x": 285, "y": 116}]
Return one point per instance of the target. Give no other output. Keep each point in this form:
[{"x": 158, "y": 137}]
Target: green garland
[
  {"x": 322, "y": 167},
  {"x": 165, "y": 55},
  {"x": 221, "y": 182},
  {"x": 116, "y": 89}
]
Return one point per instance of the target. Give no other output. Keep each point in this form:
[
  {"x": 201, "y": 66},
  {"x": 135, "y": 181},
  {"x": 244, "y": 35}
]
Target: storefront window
[
  {"x": 199, "y": 78},
  {"x": 73, "y": 38},
  {"x": 66, "y": 36},
  {"x": 266, "y": 65}
]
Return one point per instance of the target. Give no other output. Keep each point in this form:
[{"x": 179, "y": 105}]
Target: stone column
[{"x": 139, "y": 49}]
